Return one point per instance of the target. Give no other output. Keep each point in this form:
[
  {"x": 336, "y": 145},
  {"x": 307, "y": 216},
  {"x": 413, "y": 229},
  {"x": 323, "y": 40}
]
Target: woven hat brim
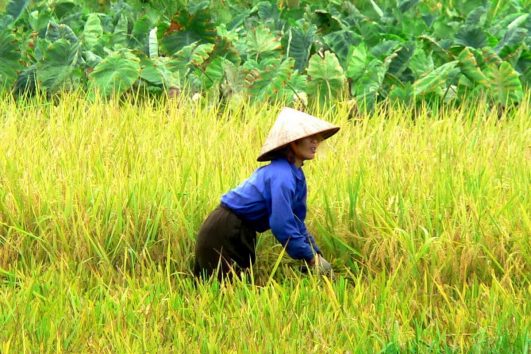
[{"x": 268, "y": 155}]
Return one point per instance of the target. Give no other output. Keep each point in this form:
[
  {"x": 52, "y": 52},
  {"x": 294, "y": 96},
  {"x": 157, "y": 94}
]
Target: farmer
[{"x": 273, "y": 197}]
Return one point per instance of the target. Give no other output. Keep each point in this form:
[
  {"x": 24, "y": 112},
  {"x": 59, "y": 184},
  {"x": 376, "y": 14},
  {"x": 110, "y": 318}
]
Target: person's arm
[
  {"x": 304, "y": 231},
  {"x": 283, "y": 222}
]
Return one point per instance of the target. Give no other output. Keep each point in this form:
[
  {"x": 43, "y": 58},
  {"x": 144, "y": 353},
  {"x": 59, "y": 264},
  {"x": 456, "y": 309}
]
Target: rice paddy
[{"x": 425, "y": 215}]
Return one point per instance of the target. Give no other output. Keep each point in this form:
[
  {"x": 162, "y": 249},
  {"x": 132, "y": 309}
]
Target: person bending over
[{"x": 273, "y": 197}]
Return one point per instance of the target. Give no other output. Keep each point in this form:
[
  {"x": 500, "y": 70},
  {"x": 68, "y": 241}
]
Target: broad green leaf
[
  {"x": 26, "y": 81},
  {"x": 189, "y": 58},
  {"x": 471, "y": 37},
  {"x": 116, "y": 73},
  {"x": 358, "y": 62},
  {"x": 490, "y": 57},
  {"x": 470, "y": 68},
  {"x": 15, "y": 8},
  {"x": 268, "y": 11},
  {"x": 64, "y": 8},
  {"x": 187, "y": 28},
  {"x": 476, "y": 17},
  {"x": 261, "y": 42},
  {"x": 91, "y": 59},
  {"x": 196, "y": 6},
  {"x": 299, "y": 45},
  {"x": 153, "y": 45},
  {"x": 401, "y": 93},
  {"x": 512, "y": 38},
  {"x": 120, "y": 36},
  {"x": 504, "y": 83},
  {"x": 367, "y": 87},
  {"x": 436, "y": 47},
  {"x": 234, "y": 80},
  {"x": 405, "y": 5},
  {"x": 92, "y": 31},
  {"x": 420, "y": 63},
  {"x": 340, "y": 43},
  {"x": 326, "y": 21},
  {"x": 384, "y": 49},
  {"x": 524, "y": 68},
  {"x": 38, "y": 19},
  {"x": 400, "y": 62},
  {"x": 326, "y": 76},
  {"x": 269, "y": 77},
  {"x": 464, "y": 7},
  {"x": 140, "y": 33},
  {"x": 40, "y": 46},
  {"x": 377, "y": 9},
  {"x": 55, "y": 71},
  {"x": 55, "y": 32},
  {"x": 228, "y": 35},
  {"x": 194, "y": 54},
  {"x": 410, "y": 27},
  {"x": 434, "y": 80},
  {"x": 9, "y": 58},
  {"x": 215, "y": 71},
  {"x": 298, "y": 82},
  {"x": 517, "y": 22},
  {"x": 157, "y": 72}
]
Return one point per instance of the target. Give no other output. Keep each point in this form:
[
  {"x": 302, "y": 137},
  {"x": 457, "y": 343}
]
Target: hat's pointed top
[{"x": 293, "y": 125}]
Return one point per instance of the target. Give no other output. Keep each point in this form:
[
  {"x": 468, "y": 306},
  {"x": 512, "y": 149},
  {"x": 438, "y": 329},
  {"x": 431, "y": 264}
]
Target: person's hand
[{"x": 321, "y": 266}]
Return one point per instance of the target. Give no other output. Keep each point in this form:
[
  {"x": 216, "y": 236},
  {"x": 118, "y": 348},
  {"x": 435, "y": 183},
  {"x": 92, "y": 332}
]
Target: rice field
[{"x": 425, "y": 215}]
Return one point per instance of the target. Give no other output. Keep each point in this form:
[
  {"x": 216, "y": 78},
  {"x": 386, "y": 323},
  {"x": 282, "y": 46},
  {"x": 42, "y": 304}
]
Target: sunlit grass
[{"x": 425, "y": 215}]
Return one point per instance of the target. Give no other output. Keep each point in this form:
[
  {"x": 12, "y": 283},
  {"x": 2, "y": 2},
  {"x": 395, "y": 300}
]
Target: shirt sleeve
[
  {"x": 283, "y": 222},
  {"x": 309, "y": 236}
]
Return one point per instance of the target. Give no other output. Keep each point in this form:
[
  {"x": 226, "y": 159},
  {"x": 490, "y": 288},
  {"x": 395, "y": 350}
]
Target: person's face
[{"x": 305, "y": 148}]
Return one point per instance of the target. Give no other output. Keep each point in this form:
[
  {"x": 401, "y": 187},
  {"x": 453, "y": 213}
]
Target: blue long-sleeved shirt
[{"x": 274, "y": 197}]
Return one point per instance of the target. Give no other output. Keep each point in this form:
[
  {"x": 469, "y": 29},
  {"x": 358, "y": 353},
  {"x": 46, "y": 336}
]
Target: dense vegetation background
[{"x": 292, "y": 50}]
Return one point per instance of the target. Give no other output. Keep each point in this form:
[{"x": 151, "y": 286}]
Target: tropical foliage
[{"x": 405, "y": 50}]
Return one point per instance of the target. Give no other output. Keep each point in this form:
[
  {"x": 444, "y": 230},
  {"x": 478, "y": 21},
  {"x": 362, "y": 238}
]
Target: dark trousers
[{"x": 224, "y": 242}]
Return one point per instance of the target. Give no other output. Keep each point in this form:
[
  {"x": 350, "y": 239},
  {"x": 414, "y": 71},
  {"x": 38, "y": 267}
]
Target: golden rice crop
[{"x": 426, "y": 215}]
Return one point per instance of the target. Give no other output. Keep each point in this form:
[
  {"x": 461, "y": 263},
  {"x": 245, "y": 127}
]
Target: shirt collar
[{"x": 297, "y": 171}]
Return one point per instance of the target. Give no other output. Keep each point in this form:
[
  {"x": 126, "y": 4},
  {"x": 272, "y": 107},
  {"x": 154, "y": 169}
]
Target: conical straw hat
[{"x": 293, "y": 125}]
